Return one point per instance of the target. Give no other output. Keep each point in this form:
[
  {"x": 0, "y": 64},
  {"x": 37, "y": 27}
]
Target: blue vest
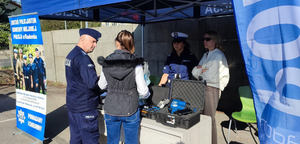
[
  {"x": 82, "y": 82},
  {"x": 26, "y": 70}
]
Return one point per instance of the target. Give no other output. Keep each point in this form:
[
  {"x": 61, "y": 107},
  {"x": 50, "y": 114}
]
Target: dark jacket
[
  {"x": 82, "y": 88},
  {"x": 122, "y": 95}
]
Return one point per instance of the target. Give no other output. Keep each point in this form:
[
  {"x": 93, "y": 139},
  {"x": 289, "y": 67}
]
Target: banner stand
[
  {"x": 28, "y": 135},
  {"x": 30, "y": 71}
]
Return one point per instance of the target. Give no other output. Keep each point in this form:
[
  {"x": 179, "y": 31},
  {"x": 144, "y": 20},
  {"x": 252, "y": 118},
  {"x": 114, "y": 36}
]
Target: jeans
[
  {"x": 131, "y": 126},
  {"x": 84, "y": 127}
]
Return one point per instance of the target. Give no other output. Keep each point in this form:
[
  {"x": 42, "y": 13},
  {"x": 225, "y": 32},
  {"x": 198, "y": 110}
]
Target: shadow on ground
[
  {"x": 56, "y": 122},
  {"x": 7, "y": 103},
  {"x": 240, "y": 126}
]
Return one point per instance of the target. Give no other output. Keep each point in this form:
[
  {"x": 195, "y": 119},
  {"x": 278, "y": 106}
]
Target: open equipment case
[
  {"x": 189, "y": 91},
  {"x": 157, "y": 94}
]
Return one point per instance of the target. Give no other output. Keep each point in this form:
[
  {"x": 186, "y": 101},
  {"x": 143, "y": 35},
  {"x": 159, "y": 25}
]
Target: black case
[
  {"x": 190, "y": 91},
  {"x": 157, "y": 94}
]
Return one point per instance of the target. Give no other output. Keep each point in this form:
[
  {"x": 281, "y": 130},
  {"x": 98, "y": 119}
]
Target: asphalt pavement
[{"x": 57, "y": 125}]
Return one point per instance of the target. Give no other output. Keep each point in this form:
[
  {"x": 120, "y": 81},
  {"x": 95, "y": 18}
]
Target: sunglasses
[{"x": 206, "y": 39}]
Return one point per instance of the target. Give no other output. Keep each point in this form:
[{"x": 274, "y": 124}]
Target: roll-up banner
[{"x": 30, "y": 74}]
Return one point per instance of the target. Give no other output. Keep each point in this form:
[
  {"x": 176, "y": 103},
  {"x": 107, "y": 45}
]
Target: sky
[{"x": 18, "y": 1}]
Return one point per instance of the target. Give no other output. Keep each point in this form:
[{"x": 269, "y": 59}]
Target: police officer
[
  {"x": 82, "y": 89},
  {"x": 26, "y": 72},
  {"x": 15, "y": 65},
  {"x": 180, "y": 62},
  {"x": 33, "y": 74},
  {"x": 41, "y": 71},
  {"x": 19, "y": 69}
]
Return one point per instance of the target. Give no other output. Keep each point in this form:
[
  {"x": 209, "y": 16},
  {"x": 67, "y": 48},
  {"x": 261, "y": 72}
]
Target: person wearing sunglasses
[
  {"x": 180, "y": 62},
  {"x": 214, "y": 69}
]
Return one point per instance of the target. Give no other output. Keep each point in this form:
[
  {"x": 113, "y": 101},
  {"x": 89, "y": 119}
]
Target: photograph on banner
[{"x": 29, "y": 67}]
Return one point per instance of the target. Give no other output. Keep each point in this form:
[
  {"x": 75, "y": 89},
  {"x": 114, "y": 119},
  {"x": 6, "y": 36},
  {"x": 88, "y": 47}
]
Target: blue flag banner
[
  {"x": 269, "y": 37},
  {"x": 26, "y": 30}
]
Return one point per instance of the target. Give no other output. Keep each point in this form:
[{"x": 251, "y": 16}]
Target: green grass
[{"x": 6, "y": 67}]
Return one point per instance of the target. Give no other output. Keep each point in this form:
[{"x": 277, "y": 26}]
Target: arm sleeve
[
  {"x": 140, "y": 82},
  {"x": 88, "y": 72},
  {"x": 102, "y": 83},
  {"x": 212, "y": 75},
  {"x": 196, "y": 72}
]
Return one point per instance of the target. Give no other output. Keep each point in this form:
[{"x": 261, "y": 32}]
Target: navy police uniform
[
  {"x": 82, "y": 94},
  {"x": 41, "y": 72},
  {"x": 26, "y": 73},
  {"x": 34, "y": 75},
  {"x": 180, "y": 66}
]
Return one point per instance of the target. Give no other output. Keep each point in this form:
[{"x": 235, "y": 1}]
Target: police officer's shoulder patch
[{"x": 169, "y": 55}]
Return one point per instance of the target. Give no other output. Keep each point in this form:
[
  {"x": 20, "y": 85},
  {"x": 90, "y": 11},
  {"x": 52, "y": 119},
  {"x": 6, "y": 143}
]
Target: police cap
[
  {"x": 24, "y": 56},
  {"x": 36, "y": 49},
  {"x": 91, "y": 32},
  {"x": 30, "y": 55},
  {"x": 15, "y": 51},
  {"x": 179, "y": 36}
]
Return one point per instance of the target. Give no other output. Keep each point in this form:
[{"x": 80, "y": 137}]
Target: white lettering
[
  {"x": 29, "y": 28},
  {"x": 17, "y": 36},
  {"x": 35, "y": 126},
  {"x": 276, "y": 52},
  {"x": 28, "y": 21},
  {"x": 249, "y": 2},
  {"x": 58, "y": 14},
  {"x": 68, "y": 62},
  {"x": 289, "y": 140},
  {"x": 283, "y": 138},
  {"x": 208, "y": 9},
  {"x": 17, "y": 29},
  {"x": 35, "y": 118},
  {"x": 30, "y": 36},
  {"x": 14, "y": 22},
  {"x": 85, "y": 12},
  {"x": 271, "y": 133}
]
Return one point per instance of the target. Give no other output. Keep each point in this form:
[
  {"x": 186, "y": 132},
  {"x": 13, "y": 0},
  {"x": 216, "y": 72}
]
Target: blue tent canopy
[{"x": 131, "y": 11}]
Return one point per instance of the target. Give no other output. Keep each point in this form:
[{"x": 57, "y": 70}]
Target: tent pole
[
  {"x": 65, "y": 25},
  {"x": 142, "y": 40}
]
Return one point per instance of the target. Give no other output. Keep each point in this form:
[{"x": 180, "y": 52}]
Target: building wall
[
  {"x": 57, "y": 44},
  {"x": 157, "y": 45}
]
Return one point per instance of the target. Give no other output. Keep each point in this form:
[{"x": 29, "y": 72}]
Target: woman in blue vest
[
  {"x": 180, "y": 62},
  {"x": 123, "y": 77}
]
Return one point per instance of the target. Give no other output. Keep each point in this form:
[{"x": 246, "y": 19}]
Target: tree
[
  {"x": 49, "y": 25},
  {"x": 4, "y": 23}
]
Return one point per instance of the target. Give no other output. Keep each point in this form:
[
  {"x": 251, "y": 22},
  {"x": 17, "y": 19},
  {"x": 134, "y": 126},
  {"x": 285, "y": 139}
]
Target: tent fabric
[{"x": 131, "y": 11}]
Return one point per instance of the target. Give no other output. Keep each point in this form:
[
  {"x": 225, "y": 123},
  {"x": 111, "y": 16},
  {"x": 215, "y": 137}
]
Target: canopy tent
[{"x": 130, "y": 11}]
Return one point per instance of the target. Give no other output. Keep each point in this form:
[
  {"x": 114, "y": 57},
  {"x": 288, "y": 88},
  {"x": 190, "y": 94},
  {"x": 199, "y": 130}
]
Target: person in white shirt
[{"x": 214, "y": 69}]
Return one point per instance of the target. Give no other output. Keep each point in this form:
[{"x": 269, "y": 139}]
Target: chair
[
  {"x": 154, "y": 79},
  {"x": 247, "y": 114}
]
